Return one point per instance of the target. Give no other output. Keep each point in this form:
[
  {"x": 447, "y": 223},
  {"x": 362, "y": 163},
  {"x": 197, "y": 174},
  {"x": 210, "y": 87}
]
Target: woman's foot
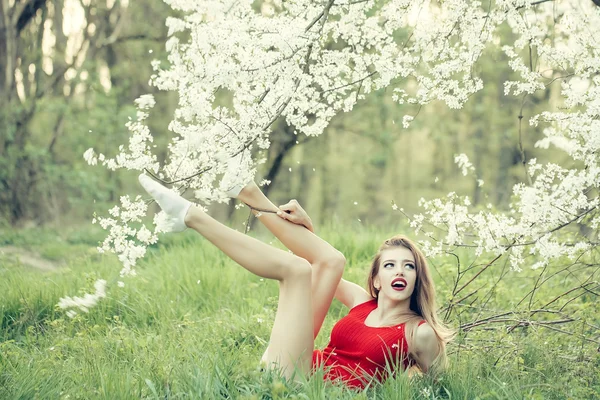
[
  {"x": 253, "y": 197},
  {"x": 174, "y": 206}
]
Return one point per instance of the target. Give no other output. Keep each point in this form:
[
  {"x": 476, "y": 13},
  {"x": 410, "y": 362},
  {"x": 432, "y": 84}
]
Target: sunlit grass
[{"x": 194, "y": 325}]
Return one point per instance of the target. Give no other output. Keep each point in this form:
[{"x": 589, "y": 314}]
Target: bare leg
[
  {"x": 327, "y": 263},
  {"x": 292, "y": 339},
  {"x": 291, "y": 342}
]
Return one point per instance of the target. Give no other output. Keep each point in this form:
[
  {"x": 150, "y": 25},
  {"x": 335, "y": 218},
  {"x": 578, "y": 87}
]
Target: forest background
[
  {"x": 78, "y": 67},
  {"x": 74, "y": 89}
]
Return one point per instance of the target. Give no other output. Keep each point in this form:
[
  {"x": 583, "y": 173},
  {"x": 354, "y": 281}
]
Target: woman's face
[{"x": 397, "y": 274}]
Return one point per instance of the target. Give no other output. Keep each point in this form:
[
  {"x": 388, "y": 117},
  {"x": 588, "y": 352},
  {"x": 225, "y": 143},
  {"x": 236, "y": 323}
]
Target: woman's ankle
[
  {"x": 193, "y": 216},
  {"x": 249, "y": 192},
  {"x": 254, "y": 198}
]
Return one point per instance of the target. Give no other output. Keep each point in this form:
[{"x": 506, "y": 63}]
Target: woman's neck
[{"x": 388, "y": 310}]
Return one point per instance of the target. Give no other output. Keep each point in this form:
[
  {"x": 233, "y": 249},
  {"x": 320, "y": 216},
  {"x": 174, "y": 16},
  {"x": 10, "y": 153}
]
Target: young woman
[{"x": 391, "y": 326}]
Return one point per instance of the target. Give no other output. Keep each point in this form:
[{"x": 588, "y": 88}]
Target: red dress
[{"x": 356, "y": 353}]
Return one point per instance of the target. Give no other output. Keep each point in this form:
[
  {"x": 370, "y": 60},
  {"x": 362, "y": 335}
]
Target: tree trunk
[{"x": 8, "y": 56}]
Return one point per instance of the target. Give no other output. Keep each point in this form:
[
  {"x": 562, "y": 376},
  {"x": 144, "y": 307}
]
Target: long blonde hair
[{"x": 422, "y": 301}]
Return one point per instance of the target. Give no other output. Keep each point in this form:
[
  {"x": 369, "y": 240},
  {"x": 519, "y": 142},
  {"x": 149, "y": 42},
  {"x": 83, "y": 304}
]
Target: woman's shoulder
[
  {"x": 426, "y": 345},
  {"x": 425, "y": 335},
  {"x": 368, "y": 303}
]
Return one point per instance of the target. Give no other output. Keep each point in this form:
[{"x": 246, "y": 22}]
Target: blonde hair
[{"x": 422, "y": 301}]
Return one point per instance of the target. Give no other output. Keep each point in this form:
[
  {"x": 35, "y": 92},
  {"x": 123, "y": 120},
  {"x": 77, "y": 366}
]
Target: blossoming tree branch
[{"x": 305, "y": 62}]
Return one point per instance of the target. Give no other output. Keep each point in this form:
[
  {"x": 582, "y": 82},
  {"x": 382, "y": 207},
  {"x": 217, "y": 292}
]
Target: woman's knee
[
  {"x": 334, "y": 261},
  {"x": 298, "y": 269}
]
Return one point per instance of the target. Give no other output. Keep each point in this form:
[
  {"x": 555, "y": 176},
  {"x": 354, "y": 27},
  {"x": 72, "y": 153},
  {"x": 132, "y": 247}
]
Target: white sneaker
[{"x": 174, "y": 206}]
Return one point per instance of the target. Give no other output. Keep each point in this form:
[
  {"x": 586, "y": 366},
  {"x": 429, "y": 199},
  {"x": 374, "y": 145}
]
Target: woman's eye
[
  {"x": 387, "y": 264},
  {"x": 410, "y": 266}
]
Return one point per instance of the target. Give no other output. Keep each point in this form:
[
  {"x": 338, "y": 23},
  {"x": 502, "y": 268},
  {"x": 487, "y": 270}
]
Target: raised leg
[
  {"x": 327, "y": 262},
  {"x": 292, "y": 341}
]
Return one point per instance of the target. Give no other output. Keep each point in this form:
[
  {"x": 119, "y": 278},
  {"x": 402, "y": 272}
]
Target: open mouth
[{"x": 399, "y": 284}]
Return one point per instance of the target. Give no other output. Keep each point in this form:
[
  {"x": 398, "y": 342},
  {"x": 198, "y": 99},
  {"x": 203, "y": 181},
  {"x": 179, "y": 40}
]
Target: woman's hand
[{"x": 293, "y": 212}]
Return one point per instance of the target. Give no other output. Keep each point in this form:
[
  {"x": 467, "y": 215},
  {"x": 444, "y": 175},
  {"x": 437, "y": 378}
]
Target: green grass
[{"x": 194, "y": 325}]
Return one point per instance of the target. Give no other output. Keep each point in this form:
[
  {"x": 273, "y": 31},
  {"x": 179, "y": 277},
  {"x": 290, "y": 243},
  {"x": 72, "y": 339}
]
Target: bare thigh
[
  {"x": 323, "y": 285},
  {"x": 291, "y": 343}
]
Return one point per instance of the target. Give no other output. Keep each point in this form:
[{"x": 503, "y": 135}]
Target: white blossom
[
  {"x": 90, "y": 157},
  {"x": 145, "y": 102},
  {"x": 86, "y": 302},
  {"x": 279, "y": 63},
  {"x": 463, "y": 163}
]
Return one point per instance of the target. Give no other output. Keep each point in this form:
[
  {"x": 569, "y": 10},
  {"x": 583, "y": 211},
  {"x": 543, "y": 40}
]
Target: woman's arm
[
  {"x": 351, "y": 294},
  {"x": 426, "y": 346}
]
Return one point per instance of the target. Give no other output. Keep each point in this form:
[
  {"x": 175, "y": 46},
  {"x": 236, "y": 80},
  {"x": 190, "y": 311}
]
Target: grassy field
[{"x": 193, "y": 325}]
